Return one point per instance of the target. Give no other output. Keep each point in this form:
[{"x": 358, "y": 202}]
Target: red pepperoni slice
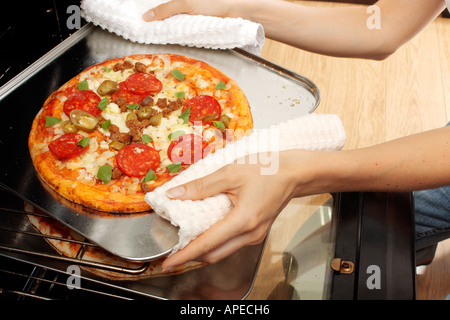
[
  {"x": 202, "y": 106},
  {"x": 85, "y": 100},
  {"x": 131, "y": 97},
  {"x": 143, "y": 83},
  {"x": 67, "y": 146},
  {"x": 187, "y": 149},
  {"x": 136, "y": 159}
]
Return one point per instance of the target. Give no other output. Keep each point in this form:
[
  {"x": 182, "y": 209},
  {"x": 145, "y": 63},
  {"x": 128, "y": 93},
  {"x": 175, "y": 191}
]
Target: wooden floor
[{"x": 382, "y": 100}]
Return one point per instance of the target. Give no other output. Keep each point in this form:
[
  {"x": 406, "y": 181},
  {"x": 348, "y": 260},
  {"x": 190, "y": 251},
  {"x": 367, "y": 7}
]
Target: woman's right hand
[{"x": 218, "y": 8}]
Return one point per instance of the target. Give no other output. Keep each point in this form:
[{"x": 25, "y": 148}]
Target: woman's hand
[
  {"x": 216, "y": 8},
  {"x": 257, "y": 200}
]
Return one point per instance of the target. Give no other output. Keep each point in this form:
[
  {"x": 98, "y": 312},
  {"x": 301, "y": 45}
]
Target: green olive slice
[
  {"x": 225, "y": 120},
  {"x": 209, "y": 117},
  {"x": 156, "y": 119},
  {"x": 107, "y": 87},
  {"x": 144, "y": 113},
  {"x": 68, "y": 127},
  {"x": 116, "y": 145},
  {"x": 132, "y": 116},
  {"x": 83, "y": 120}
]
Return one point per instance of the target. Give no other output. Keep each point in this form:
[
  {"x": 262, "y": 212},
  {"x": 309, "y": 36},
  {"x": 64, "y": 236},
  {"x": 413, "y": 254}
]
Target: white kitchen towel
[
  {"x": 310, "y": 132},
  {"x": 124, "y": 18}
]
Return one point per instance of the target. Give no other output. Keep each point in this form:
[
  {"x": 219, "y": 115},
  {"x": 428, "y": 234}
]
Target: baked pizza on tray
[{"x": 127, "y": 125}]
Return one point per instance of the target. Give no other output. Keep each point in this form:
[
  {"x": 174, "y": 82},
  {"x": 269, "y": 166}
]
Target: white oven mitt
[
  {"x": 124, "y": 18},
  {"x": 310, "y": 132}
]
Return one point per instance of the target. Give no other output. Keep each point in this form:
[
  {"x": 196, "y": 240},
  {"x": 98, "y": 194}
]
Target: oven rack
[
  {"x": 78, "y": 259},
  {"x": 30, "y": 268},
  {"x": 21, "y": 243},
  {"x": 30, "y": 282}
]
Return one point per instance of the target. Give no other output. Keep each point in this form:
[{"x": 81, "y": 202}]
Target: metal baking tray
[{"x": 275, "y": 95}]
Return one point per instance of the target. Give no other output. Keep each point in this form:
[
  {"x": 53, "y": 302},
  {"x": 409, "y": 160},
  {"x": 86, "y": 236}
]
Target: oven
[
  {"x": 363, "y": 249},
  {"x": 348, "y": 245}
]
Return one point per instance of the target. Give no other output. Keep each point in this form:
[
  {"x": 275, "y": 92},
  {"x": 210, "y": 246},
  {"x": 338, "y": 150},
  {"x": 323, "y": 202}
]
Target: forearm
[
  {"x": 415, "y": 162},
  {"x": 340, "y": 31}
]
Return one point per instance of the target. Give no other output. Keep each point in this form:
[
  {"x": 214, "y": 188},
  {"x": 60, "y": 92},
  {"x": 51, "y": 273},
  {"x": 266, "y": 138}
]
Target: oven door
[
  {"x": 375, "y": 247},
  {"x": 353, "y": 246}
]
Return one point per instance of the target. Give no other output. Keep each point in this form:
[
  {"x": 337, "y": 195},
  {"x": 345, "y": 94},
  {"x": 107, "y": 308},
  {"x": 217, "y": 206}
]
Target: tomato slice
[
  {"x": 136, "y": 159},
  {"x": 187, "y": 149},
  {"x": 85, "y": 100},
  {"x": 67, "y": 146},
  {"x": 129, "y": 96},
  {"x": 142, "y": 83},
  {"x": 203, "y": 108}
]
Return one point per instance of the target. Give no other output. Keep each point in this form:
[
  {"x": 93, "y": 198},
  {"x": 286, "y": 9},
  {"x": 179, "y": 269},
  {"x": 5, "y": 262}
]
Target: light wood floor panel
[
  {"x": 415, "y": 95},
  {"x": 443, "y": 35}
]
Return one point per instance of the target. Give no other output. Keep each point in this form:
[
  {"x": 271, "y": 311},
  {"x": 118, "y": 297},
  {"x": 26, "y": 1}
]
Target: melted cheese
[
  {"x": 194, "y": 84},
  {"x": 112, "y": 112},
  {"x": 88, "y": 163}
]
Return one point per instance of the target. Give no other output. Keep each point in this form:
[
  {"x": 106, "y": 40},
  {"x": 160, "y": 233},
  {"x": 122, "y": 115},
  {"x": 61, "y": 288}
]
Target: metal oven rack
[{"x": 31, "y": 269}]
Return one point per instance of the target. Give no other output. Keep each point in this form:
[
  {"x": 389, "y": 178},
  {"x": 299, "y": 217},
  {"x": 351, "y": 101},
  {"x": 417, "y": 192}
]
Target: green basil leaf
[
  {"x": 105, "y": 124},
  {"x": 180, "y": 95},
  {"x": 178, "y": 75},
  {"x": 146, "y": 138},
  {"x": 174, "y": 167},
  {"x": 133, "y": 106},
  {"x": 176, "y": 134},
  {"x": 219, "y": 124},
  {"x": 105, "y": 173},
  {"x": 83, "y": 85},
  {"x": 50, "y": 121},
  {"x": 185, "y": 115},
  {"x": 83, "y": 142},
  {"x": 151, "y": 175},
  {"x": 103, "y": 104},
  {"x": 221, "y": 85},
  {"x": 107, "y": 69}
]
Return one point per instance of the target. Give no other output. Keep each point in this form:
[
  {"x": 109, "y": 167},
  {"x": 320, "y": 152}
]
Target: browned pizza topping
[
  {"x": 118, "y": 67},
  {"x": 121, "y": 102},
  {"x": 140, "y": 67},
  {"x": 177, "y": 104},
  {"x": 145, "y": 187},
  {"x": 100, "y": 118},
  {"x": 123, "y": 138},
  {"x": 161, "y": 103},
  {"x": 123, "y": 66},
  {"x": 136, "y": 128},
  {"x": 116, "y": 173},
  {"x": 128, "y": 64},
  {"x": 113, "y": 129},
  {"x": 169, "y": 106},
  {"x": 147, "y": 101}
]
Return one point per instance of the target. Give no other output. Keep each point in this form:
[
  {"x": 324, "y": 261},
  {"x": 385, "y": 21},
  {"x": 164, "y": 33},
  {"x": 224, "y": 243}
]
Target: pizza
[
  {"x": 95, "y": 259},
  {"x": 127, "y": 125}
]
